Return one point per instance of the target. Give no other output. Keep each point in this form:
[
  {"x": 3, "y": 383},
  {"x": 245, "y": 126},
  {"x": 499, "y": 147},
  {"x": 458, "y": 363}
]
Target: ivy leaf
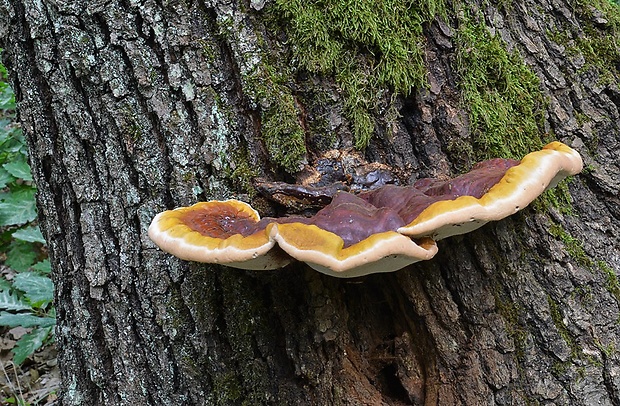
[
  {"x": 38, "y": 289},
  {"x": 25, "y": 320},
  {"x": 29, "y": 343},
  {"x": 12, "y": 302},
  {"x": 12, "y": 141},
  {"x": 20, "y": 256},
  {"x": 17, "y": 207},
  {"x": 3, "y": 71},
  {"x": 19, "y": 169},
  {"x": 29, "y": 234}
]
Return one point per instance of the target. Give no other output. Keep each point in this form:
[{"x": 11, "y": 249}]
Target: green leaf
[
  {"x": 3, "y": 71},
  {"x": 5, "y": 285},
  {"x": 12, "y": 141},
  {"x": 29, "y": 343},
  {"x": 12, "y": 302},
  {"x": 38, "y": 289},
  {"x": 5, "y": 178},
  {"x": 7, "y": 99},
  {"x": 20, "y": 256},
  {"x": 43, "y": 267},
  {"x": 17, "y": 207},
  {"x": 25, "y": 320},
  {"x": 29, "y": 234},
  {"x": 20, "y": 169}
]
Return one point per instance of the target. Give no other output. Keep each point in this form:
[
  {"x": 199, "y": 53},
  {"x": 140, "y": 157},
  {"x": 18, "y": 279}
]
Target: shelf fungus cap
[
  {"x": 324, "y": 251},
  {"x": 221, "y": 232},
  {"x": 350, "y": 238},
  {"x": 519, "y": 186}
]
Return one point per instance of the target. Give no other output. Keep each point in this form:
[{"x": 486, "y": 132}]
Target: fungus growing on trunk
[
  {"x": 519, "y": 184},
  {"x": 381, "y": 230},
  {"x": 350, "y": 237},
  {"x": 220, "y": 232}
]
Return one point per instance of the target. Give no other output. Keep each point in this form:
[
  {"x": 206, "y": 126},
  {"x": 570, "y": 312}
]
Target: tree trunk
[{"x": 131, "y": 109}]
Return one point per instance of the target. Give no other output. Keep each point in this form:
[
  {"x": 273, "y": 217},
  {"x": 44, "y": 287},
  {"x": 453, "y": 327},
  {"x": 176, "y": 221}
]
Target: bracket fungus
[
  {"x": 381, "y": 230},
  {"x": 517, "y": 184},
  {"x": 350, "y": 237},
  {"x": 226, "y": 232}
]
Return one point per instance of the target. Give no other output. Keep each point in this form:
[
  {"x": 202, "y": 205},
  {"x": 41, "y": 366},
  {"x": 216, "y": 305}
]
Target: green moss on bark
[
  {"x": 369, "y": 47},
  {"x": 227, "y": 389},
  {"x": 558, "y": 321},
  {"x": 240, "y": 171},
  {"x": 612, "y": 284},
  {"x": 501, "y": 94},
  {"x": 600, "y": 46},
  {"x": 504, "y": 101},
  {"x": 280, "y": 117},
  {"x": 575, "y": 249},
  {"x": 282, "y": 133},
  {"x": 512, "y": 314}
]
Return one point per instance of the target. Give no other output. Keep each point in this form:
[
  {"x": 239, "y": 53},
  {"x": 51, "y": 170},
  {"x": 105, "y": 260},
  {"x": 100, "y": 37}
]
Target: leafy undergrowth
[{"x": 27, "y": 316}]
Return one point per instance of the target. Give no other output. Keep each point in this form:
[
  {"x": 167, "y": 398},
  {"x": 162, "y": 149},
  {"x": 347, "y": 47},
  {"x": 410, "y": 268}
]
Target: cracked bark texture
[{"x": 131, "y": 108}]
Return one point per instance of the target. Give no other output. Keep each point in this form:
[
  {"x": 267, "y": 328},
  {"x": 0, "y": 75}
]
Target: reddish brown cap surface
[
  {"x": 517, "y": 188},
  {"x": 222, "y": 232}
]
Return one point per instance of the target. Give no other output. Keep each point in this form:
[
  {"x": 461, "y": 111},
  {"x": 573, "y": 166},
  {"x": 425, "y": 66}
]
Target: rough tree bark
[{"x": 134, "y": 107}]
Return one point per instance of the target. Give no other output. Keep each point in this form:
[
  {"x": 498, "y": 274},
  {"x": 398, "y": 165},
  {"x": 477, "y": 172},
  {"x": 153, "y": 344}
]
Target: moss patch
[
  {"x": 281, "y": 127},
  {"x": 601, "y": 45},
  {"x": 611, "y": 278},
  {"x": 577, "y": 355},
  {"x": 242, "y": 173},
  {"x": 227, "y": 388},
  {"x": 504, "y": 101},
  {"x": 574, "y": 248},
  {"x": 598, "y": 39},
  {"x": 283, "y": 135},
  {"x": 369, "y": 47},
  {"x": 558, "y": 321},
  {"x": 502, "y": 95},
  {"x": 559, "y": 198},
  {"x": 511, "y": 313}
]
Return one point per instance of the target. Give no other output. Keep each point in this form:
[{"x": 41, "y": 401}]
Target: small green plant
[{"x": 26, "y": 291}]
